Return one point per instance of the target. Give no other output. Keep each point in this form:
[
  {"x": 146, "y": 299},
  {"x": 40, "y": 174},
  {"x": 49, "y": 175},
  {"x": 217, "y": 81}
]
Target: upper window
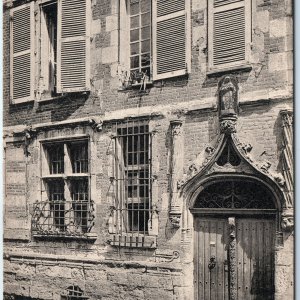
[
  {"x": 158, "y": 32},
  {"x": 140, "y": 39},
  {"x": 48, "y": 77},
  {"x": 229, "y": 33},
  {"x": 61, "y": 53}
]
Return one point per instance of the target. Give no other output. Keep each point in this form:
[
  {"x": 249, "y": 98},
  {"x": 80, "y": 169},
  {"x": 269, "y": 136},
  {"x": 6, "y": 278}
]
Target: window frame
[
  {"x": 50, "y": 90},
  {"x": 124, "y": 45},
  {"x": 122, "y": 183},
  {"x": 248, "y": 34},
  {"x": 79, "y": 207}
]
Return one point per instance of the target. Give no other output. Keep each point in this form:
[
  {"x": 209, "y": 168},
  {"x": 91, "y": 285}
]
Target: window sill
[
  {"x": 133, "y": 241},
  {"x": 220, "y": 71},
  {"x": 90, "y": 236},
  {"x": 63, "y": 176},
  {"x": 136, "y": 86}
]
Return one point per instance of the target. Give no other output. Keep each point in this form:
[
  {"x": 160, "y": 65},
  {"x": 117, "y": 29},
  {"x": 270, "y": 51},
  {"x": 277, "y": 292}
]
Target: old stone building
[{"x": 148, "y": 149}]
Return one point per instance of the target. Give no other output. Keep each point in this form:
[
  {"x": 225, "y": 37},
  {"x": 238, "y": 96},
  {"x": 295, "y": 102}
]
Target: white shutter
[
  {"x": 171, "y": 38},
  {"x": 22, "y": 53},
  {"x": 229, "y": 32},
  {"x": 73, "y": 72}
]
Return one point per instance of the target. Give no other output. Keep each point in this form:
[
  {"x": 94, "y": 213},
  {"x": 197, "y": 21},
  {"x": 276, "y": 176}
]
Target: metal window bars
[
  {"x": 133, "y": 180},
  {"x": 63, "y": 218},
  {"x": 66, "y": 209},
  {"x": 73, "y": 293}
]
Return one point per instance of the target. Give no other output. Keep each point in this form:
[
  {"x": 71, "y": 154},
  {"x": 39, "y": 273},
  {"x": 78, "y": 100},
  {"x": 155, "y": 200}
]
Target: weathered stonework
[{"x": 187, "y": 124}]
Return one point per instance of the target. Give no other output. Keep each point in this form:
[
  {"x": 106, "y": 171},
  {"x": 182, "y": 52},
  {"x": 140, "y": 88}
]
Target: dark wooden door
[{"x": 253, "y": 263}]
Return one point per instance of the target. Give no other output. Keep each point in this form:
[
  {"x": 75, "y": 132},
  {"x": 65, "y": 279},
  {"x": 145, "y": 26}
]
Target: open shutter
[
  {"x": 22, "y": 53},
  {"x": 73, "y": 46},
  {"x": 229, "y": 32},
  {"x": 171, "y": 38}
]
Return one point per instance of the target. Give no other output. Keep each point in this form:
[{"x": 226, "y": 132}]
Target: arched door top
[{"x": 235, "y": 194}]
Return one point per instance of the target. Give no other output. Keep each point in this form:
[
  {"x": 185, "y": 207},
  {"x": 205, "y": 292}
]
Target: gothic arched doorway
[{"x": 235, "y": 226}]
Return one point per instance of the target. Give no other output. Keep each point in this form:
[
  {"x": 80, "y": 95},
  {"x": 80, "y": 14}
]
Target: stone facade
[{"x": 44, "y": 268}]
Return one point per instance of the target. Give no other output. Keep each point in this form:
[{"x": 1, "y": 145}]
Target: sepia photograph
[{"x": 148, "y": 149}]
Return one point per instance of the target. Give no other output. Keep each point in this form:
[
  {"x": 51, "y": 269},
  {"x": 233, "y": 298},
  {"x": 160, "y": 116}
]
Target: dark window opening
[
  {"x": 49, "y": 47},
  {"x": 134, "y": 176}
]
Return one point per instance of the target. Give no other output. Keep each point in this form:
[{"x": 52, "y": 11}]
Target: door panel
[
  {"x": 211, "y": 240},
  {"x": 254, "y": 258}
]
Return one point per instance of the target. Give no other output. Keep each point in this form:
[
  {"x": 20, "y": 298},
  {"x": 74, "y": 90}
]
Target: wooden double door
[{"x": 234, "y": 262}]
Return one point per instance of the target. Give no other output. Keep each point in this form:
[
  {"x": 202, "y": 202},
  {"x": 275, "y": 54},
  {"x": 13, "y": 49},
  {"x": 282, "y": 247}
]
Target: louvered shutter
[
  {"x": 22, "y": 53},
  {"x": 73, "y": 46},
  {"x": 171, "y": 38},
  {"x": 229, "y": 32}
]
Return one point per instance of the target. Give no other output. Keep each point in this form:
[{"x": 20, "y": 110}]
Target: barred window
[
  {"x": 66, "y": 207},
  {"x": 133, "y": 177},
  {"x": 74, "y": 293}
]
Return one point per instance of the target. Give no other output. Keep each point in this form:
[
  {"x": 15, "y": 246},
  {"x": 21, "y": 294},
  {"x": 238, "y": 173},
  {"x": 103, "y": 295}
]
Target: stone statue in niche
[
  {"x": 228, "y": 96},
  {"x": 228, "y": 104}
]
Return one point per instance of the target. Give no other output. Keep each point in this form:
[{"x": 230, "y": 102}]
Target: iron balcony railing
[{"x": 63, "y": 218}]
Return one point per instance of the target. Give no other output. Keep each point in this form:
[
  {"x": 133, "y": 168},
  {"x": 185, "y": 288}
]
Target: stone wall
[{"x": 44, "y": 269}]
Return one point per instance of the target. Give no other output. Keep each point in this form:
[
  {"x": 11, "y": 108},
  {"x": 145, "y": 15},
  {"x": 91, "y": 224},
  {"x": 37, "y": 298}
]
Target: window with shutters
[
  {"x": 66, "y": 207},
  {"x": 154, "y": 40},
  {"x": 56, "y": 40},
  {"x": 229, "y": 33}
]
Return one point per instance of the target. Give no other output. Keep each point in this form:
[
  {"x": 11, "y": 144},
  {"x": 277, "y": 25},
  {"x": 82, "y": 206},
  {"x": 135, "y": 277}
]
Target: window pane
[
  {"x": 134, "y": 35},
  {"x": 145, "y": 5},
  {"x": 145, "y": 19},
  {"x": 134, "y": 22},
  {"x": 145, "y": 33},
  {"x": 146, "y": 59},
  {"x": 134, "y": 62},
  {"x": 146, "y": 46},
  {"x": 79, "y": 157},
  {"x": 56, "y": 158},
  {"x": 134, "y": 48},
  {"x": 134, "y": 7}
]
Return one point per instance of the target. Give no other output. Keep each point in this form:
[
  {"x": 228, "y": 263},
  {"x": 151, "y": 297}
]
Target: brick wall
[{"x": 271, "y": 74}]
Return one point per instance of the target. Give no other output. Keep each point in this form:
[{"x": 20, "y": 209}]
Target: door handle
[{"x": 212, "y": 262}]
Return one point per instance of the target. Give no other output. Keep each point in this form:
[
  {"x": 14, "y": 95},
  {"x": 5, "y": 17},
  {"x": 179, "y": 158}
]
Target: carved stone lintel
[
  {"x": 96, "y": 124},
  {"x": 175, "y": 219}
]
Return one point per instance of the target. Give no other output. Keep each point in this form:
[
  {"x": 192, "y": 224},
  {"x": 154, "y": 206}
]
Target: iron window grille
[
  {"x": 66, "y": 207},
  {"x": 132, "y": 172},
  {"x": 74, "y": 293}
]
